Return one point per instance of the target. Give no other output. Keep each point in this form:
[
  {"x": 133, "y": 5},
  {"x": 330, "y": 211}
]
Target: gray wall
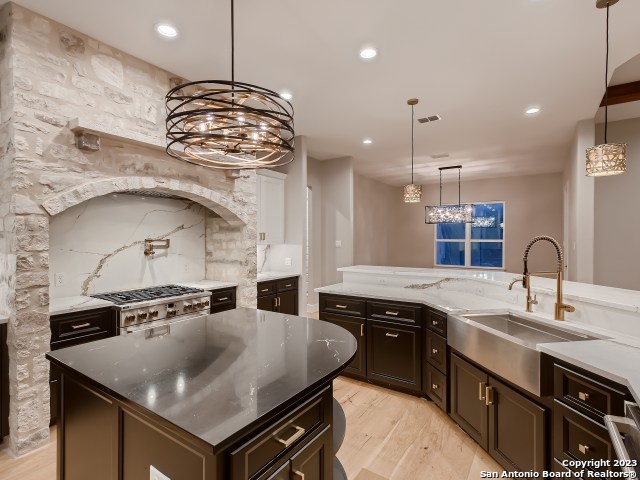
[{"x": 617, "y": 232}]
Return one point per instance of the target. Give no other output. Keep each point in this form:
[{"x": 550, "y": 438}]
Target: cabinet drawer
[
  {"x": 287, "y": 284},
  {"x": 343, "y": 305},
  {"x": 437, "y": 322},
  {"x": 436, "y": 353},
  {"x": 394, "y": 312},
  {"x": 266, "y": 288},
  {"x": 587, "y": 395},
  {"x": 70, "y": 342},
  {"x": 223, "y": 297},
  {"x": 436, "y": 386},
  {"x": 261, "y": 450},
  {"x": 81, "y": 324},
  {"x": 577, "y": 437}
]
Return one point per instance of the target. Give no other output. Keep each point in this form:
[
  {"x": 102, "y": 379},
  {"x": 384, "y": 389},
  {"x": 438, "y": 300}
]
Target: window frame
[{"x": 468, "y": 241}]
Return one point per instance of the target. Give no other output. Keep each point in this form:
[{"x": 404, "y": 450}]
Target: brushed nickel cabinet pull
[
  {"x": 82, "y": 325},
  {"x": 434, "y": 386},
  {"x": 389, "y": 312},
  {"x": 481, "y": 390},
  {"x": 298, "y": 433},
  {"x": 341, "y": 306},
  {"x": 288, "y": 285},
  {"x": 489, "y": 396},
  {"x": 362, "y": 329},
  {"x": 299, "y": 474},
  {"x": 279, "y": 301},
  {"x": 394, "y": 335},
  {"x": 584, "y": 449},
  {"x": 583, "y": 396},
  {"x": 264, "y": 290},
  {"x": 434, "y": 351},
  {"x": 223, "y": 299},
  {"x": 434, "y": 323}
]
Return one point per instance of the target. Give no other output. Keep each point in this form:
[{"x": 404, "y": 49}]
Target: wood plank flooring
[{"x": 39, "y": 465}]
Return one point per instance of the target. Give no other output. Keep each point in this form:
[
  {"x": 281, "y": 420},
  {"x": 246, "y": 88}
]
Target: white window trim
[{"x": 467, "y": 243}]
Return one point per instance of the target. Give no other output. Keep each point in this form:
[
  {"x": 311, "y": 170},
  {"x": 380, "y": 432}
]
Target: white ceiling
[{"x": 479, "y": 64}]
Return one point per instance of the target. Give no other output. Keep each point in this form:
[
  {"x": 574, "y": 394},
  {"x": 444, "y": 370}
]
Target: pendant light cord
[
  {"x": 459, "y": 169},
  {"x": 233, "y": 46},
  {"x": 606, "y": 83},
  {"x": 440, "y": 187},
  {"x": 412, "y": 128}
]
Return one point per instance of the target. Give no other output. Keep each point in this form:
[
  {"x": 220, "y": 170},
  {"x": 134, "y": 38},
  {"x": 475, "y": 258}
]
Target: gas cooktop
[{"x": 147, "y": 294}]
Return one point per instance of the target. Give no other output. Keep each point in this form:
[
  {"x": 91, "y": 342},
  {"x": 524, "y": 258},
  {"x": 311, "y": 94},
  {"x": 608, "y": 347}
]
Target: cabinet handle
[
  {"x": 434, "y": 386},
  {"x": 481, "y": 390},
  {"x": 583, "y": 448},
  {"x": 288, "y": 285},
  {"x": 434, "y": 323},
  {"x": 362, "y": 329},
  {"x": 299, "y": 432},
  {"x": 279, "y": 301},
  {"x": 299, "y": 474},
  {"x": 583, "y": 396},
  {"x": 434, "y": 351},
  {"x": 394, "y": 335},
  {"x": 341, "y": 306},
  {"x": 223, "y": 299},
  {"x": 264, "y": 290},
  {"x": 389, "y": 312},
  {"x": 81, "y": 325},
  {"x": 489, "y": 396}
]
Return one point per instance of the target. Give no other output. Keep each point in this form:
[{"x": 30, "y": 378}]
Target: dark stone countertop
[{"x": 217, "y": 375}]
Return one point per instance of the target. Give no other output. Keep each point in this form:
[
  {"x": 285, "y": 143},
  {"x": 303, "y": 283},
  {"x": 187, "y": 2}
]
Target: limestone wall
[{"x": 59, "y": 74}]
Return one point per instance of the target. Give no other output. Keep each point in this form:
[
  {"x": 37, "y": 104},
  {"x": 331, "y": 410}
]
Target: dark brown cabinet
[
  {"x": 73, "y": 329},
  {"x": 4, "y": 382},
  {"x": 436, "y": 359},
  {"x": 279, "y": 296},
  {"x": 582, "y": 399},
  {"x": 511, "y": 427},
  {"x": 356, "y": 327},
  {"x": 223, "y": 299},
  {"x": 393, "y": 354}
]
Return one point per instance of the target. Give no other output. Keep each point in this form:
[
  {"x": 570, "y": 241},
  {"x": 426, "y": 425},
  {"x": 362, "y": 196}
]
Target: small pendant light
[
  {"x": 412, "y": 192},
  {"x": 609, "y": 158}
]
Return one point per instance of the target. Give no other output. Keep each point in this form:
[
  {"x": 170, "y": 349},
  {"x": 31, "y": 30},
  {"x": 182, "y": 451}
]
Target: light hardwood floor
[{"x": 39, "y": 465}]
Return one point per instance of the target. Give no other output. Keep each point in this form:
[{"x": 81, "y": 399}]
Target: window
[{"x": 473, "y": 245}]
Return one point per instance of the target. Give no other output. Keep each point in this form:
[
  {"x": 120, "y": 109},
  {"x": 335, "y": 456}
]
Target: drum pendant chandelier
[
  {"x": 229, "y": 125},
  {"x": 412, "y": 192},
  {"x": 609, "y": 158}
]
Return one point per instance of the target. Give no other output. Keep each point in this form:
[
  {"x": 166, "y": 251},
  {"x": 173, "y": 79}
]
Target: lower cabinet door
[
  {"x": 315, "y": 460},
  {"x": 435, "y": 385},
  {"x": 516, "y": 429},
  {"x": 283, "y": 473},
  {"x": 356, "y": 327},
  {"x": 288, "y": 302},
  {"x": 267, "y": 303},
  {"x": 467, "y": 399},
  {"x": 394, "y": 354}
]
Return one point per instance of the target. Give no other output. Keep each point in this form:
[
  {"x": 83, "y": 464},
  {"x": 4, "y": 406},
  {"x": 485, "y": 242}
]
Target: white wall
[
  {"x": 617, "y": 232},
  {"x": 580, "y": 194},
  {"x": 98, "y": 245}
]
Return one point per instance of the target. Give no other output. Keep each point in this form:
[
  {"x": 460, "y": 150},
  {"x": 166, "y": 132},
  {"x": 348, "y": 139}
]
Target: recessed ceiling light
[
  {"x": 166, "y": 30},
  {"x": 368, "y": 53},
  {"x": 367, "y": 141},
  {"x": 286, "y": 95},
  {"x": 532, "y": 110}
]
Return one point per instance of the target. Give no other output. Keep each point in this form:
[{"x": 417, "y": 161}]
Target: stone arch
[{"x": 224, "y": 206}]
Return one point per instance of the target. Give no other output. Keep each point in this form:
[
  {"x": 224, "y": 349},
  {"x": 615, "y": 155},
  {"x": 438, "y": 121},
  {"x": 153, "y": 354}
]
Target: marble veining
[
  {"x": 98, "y": 245},
  {"x": 216, "y": 375}
]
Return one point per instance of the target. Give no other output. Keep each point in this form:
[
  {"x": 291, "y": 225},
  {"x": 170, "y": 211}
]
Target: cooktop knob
[
  {"x": 187, "y": 307},
  {"x": 129, "y": 318},
  {"x": 142, "y": 316},
  {"x": 154, "y": 314}
]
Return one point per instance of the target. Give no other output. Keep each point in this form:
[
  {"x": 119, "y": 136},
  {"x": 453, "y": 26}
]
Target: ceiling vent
[
  {"x": 430, "y": 118},
  {"x": 437, "y": 156}
]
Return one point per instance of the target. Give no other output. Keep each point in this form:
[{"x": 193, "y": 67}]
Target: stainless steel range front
[{"x": 157, "y": 306}]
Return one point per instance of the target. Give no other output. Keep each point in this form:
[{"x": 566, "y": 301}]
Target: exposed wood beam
[{"x": 627, "y": 92}]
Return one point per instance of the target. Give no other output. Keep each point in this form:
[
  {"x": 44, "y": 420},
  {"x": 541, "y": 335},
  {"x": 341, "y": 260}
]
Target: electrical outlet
[
  {"x": 338, "y": 243},
  {"x": 287, "y": 261},
  {"x": 186, "y": 268},
  {"x": 58, "y": 279},
  {"x": 155, "y": 474}
]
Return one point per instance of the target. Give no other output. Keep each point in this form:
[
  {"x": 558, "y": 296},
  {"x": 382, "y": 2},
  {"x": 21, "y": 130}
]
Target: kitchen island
[{"x": 235, "y": 395}]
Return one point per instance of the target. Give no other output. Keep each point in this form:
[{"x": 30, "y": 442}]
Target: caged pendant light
[
  {"x": 609, "y": 158},
  {"x": 460, "y": 213},
  {"x": 227, "y": 124},
  {"x": 412, "y": 192}
]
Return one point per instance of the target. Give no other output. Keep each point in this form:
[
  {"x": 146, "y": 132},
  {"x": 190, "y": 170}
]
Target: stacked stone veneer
[{"x": 51, "y": 74}]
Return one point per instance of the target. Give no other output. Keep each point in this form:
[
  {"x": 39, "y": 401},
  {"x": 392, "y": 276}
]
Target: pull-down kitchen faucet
[{"x": 526, "y": 278}]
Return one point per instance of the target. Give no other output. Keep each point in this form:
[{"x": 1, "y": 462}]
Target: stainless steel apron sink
[{"x": 506, "y": 344}]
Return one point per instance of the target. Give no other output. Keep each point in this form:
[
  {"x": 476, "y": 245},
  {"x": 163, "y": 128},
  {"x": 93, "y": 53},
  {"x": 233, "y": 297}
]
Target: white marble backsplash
[{"x": 98, "y": 245}]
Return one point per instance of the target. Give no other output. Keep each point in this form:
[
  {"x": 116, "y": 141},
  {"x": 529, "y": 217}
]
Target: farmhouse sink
[{"x": 506, "y": 344}]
